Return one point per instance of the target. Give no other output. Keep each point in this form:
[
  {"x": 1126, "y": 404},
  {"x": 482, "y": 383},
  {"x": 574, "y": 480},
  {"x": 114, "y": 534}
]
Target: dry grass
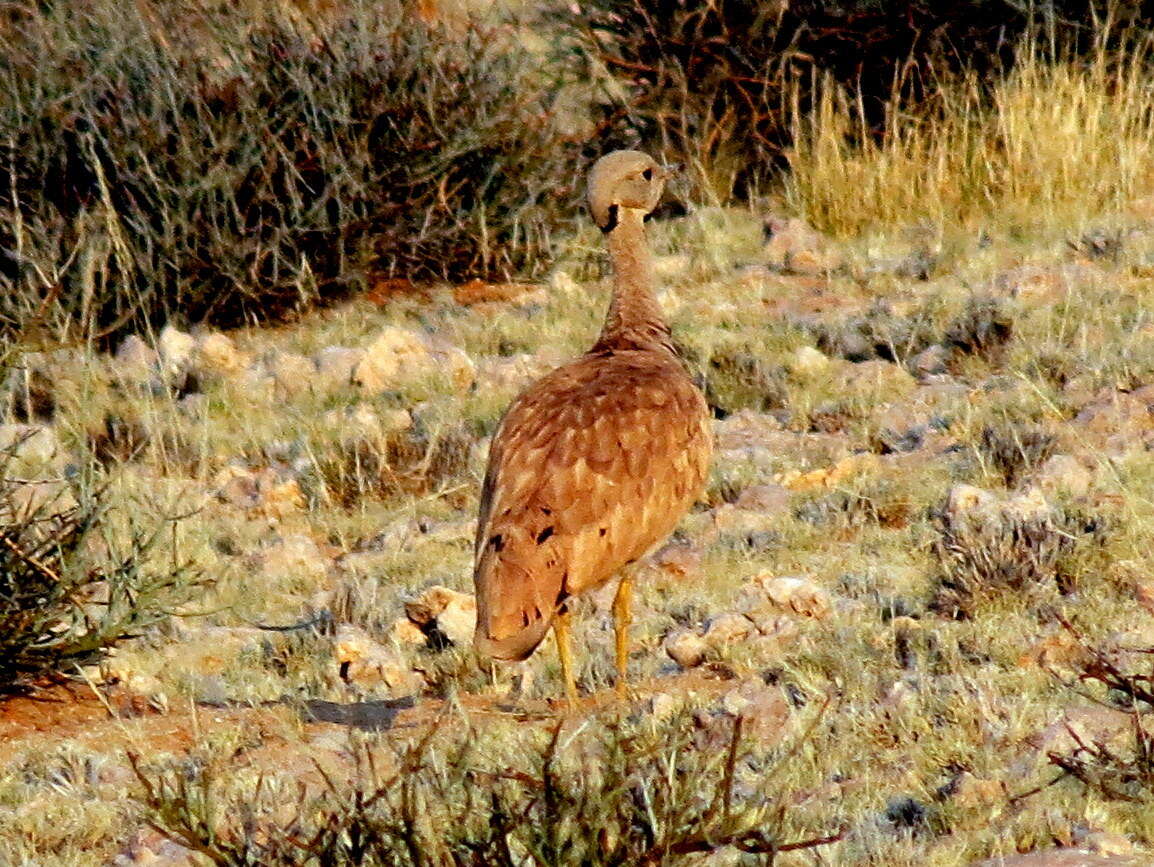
[{"x": 1053, "y": 142}]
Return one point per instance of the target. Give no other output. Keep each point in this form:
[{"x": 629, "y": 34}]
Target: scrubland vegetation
[{"x": 910, "y": 624}]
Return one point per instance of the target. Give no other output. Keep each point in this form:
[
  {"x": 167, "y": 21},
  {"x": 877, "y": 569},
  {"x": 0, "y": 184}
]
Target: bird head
[{"x": 624, "y": 179}]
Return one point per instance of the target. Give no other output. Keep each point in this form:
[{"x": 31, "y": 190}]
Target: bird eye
[{"x": 647, "y": 174}]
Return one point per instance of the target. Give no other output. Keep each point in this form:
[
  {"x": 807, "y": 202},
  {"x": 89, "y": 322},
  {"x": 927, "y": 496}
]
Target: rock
[
  {"x": 293, "y": 555},
  {"x": 151, "y": 848},
  {"x": 405, "y": 632},
  {"x": 1034, "y": 283},
  {"x": 678, "y": 560},
  {"x": 451, "y": 613},
  {"x": 291, "y": 374},
  {"x": 1064, "y": 474},
  {"x": 398, "y": 358},
  {"x": 1144, "y": 593},
  {"x": 446, "y": 357},
  {"x": 795, "y": 247},
  {"x": 480, "y": 292},
  {"x": 766, "y": 499},
  {"x": 765, "y": 712},
  {"x": 809, "y": 361},
  {"x": 396, "y": 354},
  {"x": 968, "y": 499},
  {"x": 931, "y": 361},
  {"x": 31, "y": 450},
  {"x": 265, "y": 492},
  {"x": 176, "y": 349},
  {"x": 877, "y": 379},
  {"x": 1117, "y": 422},
  {"x": 798, "y": 595},
  {"x": 513, "y": 372},
  {"x": 366, "y": 663},
  {"x": 686, "y": 648},
  {"x": 728, "y": 628},
  {"x": 335, "y": 365},
  {"x": 216, "y": 355},
  {"x": 365, "y": 422},
  {"x": 1107, "y": 843},
  {"x": 825, "y": 478},
  {"x": 135, "y": 361},
  {"x": 974, "y": 793}
]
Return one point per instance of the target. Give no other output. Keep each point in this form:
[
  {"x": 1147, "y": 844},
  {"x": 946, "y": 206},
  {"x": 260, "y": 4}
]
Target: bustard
[{"x": 594, "y": 464}]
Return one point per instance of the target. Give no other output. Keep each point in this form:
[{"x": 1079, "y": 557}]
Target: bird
[{"x": 593, "y": 465}]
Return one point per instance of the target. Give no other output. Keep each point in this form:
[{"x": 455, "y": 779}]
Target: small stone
[
  {"x": 968, "y": 499},
  {"x": 264, "y": 492},
  {"x": 293, "y": 555},
  {"x": 217, "y": 355},
  {"x": 136, "y": 361},
  {"x": 32, "y": 448},
  {"x": 728, "y": 628},
  {"x": 796, "y": 247},
  {"x": 1107, "y": 843},
  {"x": 809, "y": 361},
  {"x": 480, "y": 292},
  {"x": 335, "y": 365},
  {"x": 799, "y": 595},
  {"x": 393, "y": 356},
  {"x": 678, "y": 560},
  {"x": 452, "y": 613},
  {"x": 971, "y": 793},
  {"x": 686, "y": 648},
  {"x": 931, "y": 361},
  {"x": 766, "y": 499},
  {"x": 1064, "y": 474},
  {"x": 176, "y": 350},
  {"x": 363, "y": 421},
  {"x": 365, "y": 662},
  {"x": 291, "y": 373},
  {"x": 405, "y": 632}
]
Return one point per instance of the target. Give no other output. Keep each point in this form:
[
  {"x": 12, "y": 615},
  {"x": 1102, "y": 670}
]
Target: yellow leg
[
  {"x": 622, "y": 617},
  {"x": 561, "y": 633}
]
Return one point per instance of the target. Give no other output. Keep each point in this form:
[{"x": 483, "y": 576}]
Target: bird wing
[{"x": 589, "y": 468}]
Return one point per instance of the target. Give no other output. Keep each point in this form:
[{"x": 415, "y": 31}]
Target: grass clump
[
  {"x": 599, "y": 796},
  {"x": 230, "y": 164},
  {"x": 1060, "y": 136},
  {"x": 70, "y": 588},
  {"x": 1020, "y": 546}
]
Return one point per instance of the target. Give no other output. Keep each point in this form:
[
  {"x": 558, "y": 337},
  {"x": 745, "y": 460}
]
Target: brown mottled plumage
[{"x": 594, "y": 464}]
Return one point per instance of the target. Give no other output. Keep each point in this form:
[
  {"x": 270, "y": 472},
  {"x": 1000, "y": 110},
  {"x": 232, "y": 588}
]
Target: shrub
[
  {"x": 69, "y": 590},
  {"x": 608, "y": 798},
  {"x": 989, "y": 551},
  {"x": 226, "y": 164}
]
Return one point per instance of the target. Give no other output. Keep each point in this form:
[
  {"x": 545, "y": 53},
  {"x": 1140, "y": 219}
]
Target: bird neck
[{"x": 634, "y": 320}]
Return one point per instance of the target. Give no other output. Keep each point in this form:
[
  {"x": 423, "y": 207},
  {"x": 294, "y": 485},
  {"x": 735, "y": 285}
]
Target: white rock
[
  {"x": 396, "y": 355},
  {"x": 136, "y": 361},
  {"x": 728, "y": 628},
  {"x": 176, "y": 349},
  {"x": 365, "y": 662},
  {"x": 216, "y": 355},
  {"x": 294, "y": 555},
  {"x": 31, "y": 449},
  {"x": 455, "y": 613},
  {"x": 808, "y": 360},
  {"x": 686, "y": 648},
  {"x": 795, "y": 594},
  {"x": 335, "y": 366}
]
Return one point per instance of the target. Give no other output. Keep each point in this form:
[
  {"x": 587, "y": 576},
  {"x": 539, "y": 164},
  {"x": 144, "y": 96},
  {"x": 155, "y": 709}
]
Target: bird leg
[
  {"x": 622, "y": 617},
  {"x": 561, "y": 633}
]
